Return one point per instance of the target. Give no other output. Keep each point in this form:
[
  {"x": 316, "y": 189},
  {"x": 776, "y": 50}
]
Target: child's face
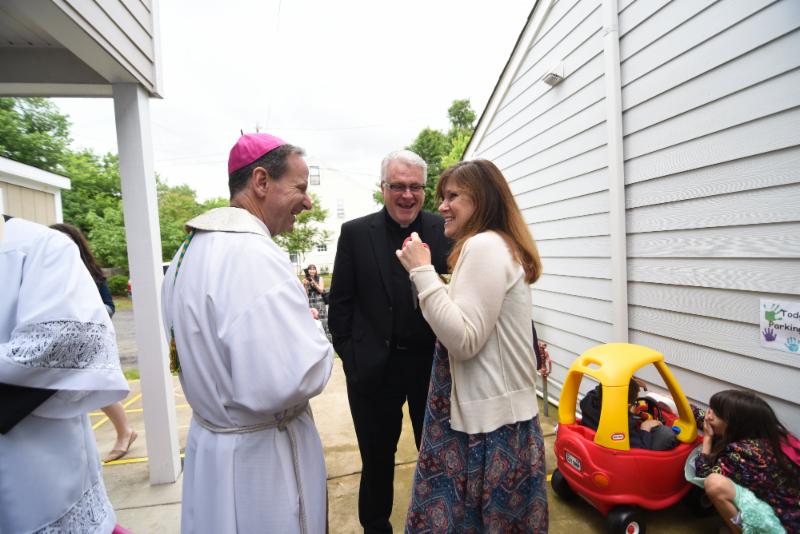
[{"x": 716, "y": 423}]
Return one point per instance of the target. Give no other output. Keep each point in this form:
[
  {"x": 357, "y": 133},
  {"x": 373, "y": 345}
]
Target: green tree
[
  {"x": 457, "y": 147},
  {"x": 107, "y": 237},
  {"x": 95, "y": 186},
  {"x": 306, "y": 233},
  {"x": 462, "y": 117},
  {"x": 34, "y": 132},
  {"x": 176, "y": 206}
]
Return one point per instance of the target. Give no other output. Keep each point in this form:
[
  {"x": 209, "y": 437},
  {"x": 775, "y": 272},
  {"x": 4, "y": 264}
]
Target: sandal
[{"x": 116, "y": 454}]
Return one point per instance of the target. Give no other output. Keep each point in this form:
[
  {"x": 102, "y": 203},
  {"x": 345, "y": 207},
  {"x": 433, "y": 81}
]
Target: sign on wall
[{"x": 780, "y": 325}]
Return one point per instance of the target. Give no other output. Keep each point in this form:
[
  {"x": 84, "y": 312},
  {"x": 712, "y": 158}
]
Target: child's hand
[
  {"x": 708, "y": 430},
  {"x": 708, "y": 436},
  {"x": 649, "y": 425}
]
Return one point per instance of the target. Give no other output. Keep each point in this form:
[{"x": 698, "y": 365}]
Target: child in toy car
[{"x": 649, "y": 433}]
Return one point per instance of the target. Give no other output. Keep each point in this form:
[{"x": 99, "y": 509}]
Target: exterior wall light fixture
[{"x": 554, "y": 75}]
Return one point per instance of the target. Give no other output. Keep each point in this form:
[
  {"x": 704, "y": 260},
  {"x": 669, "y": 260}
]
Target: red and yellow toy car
[{"x": 599, "y": 465}]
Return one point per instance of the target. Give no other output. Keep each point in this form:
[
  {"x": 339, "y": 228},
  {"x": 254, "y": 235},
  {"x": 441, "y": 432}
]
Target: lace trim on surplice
[
  {"x": 64, "y": 345},
  {"x": 85, "y": 516}
]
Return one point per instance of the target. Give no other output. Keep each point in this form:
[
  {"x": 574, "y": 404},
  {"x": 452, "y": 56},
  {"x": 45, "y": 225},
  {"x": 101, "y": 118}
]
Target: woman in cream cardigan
[{"x": 481, "y": 464}]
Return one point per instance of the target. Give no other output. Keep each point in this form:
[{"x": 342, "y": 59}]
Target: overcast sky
[{"x": 347, "y": 80}]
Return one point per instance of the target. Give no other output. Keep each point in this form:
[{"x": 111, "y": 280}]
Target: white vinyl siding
[
  {"x": 712, "y": 126},
  {"x": 711, "y": 147}
]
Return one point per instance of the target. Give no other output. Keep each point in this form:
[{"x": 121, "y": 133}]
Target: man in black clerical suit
[{"x": 378, "y": 330}]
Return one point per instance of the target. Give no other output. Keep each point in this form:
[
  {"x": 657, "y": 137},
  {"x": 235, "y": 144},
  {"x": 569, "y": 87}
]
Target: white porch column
[{"x": 140, "y": 207}]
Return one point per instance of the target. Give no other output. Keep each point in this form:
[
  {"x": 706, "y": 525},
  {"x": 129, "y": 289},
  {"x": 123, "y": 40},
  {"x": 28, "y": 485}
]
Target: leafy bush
[{"x": 118, "y": 284}]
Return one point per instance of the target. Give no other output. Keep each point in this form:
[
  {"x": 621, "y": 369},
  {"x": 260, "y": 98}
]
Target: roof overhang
[
  {"x": 528, "y": 34},
  {"x": 80, "y": 49},
  {"x": 17, "y": 173}
]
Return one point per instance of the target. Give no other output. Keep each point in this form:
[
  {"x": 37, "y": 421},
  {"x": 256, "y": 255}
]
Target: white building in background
[
  {"x": 661, "y": 180},
  {"x": 31, "y": 193},
  {"x": 346, "y": 196}
]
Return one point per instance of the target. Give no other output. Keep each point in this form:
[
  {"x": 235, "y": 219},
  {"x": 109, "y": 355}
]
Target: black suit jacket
[{"x": 360, "y": 305}]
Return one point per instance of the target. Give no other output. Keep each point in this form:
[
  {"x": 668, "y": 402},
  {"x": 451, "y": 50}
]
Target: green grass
[
  {"x": 131, "y": 374},
  {"x": 123, "y": 303}
]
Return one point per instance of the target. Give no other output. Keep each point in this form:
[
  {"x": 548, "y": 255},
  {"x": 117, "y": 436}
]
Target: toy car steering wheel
[{"x": 653, "y": 409}]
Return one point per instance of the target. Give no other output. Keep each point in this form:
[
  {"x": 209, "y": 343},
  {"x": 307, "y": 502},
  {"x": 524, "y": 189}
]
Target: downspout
[{"x": 616, "y": 171}]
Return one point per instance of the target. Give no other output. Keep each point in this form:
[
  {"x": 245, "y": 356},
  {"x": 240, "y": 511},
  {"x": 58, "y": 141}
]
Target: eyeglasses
[{"x": 402, "y": 188}]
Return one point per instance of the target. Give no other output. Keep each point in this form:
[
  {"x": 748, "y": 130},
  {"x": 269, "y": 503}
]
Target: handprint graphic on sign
[
  {"x": 771, "y": 313},
  {"x": 779, "y": 325}
]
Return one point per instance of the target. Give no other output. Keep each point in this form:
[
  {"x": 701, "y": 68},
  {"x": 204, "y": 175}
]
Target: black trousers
[{"x": 378, "y": 419}]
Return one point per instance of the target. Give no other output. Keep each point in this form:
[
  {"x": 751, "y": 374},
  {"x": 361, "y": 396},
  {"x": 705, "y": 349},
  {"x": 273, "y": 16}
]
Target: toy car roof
[{"x": 613, "y": 364}]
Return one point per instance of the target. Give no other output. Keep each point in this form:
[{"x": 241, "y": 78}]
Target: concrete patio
[{"x": 146, "y": 509}]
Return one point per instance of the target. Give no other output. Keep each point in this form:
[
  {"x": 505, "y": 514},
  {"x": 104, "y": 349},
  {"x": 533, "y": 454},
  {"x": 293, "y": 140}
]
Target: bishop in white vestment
[
  {"x": 251, "y": 356},
  {"x": 55, "y": 334}
]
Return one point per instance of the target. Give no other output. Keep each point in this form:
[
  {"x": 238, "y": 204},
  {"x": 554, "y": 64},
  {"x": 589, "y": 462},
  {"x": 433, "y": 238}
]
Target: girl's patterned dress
[
  {"x": 751, "y": 464},
  {"x": 470, "y": 483}
]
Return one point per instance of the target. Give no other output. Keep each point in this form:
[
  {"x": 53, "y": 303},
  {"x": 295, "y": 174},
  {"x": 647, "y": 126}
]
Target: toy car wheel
[
  {"x": 561, "y": 487},
  {"x": 626, "y": 520}
]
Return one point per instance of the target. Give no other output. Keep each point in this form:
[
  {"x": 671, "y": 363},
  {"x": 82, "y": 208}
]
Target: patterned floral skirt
[{"x": 470, "y": 483}]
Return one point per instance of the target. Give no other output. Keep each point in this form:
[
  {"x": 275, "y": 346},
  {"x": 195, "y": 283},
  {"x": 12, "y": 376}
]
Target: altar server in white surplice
[
  {"x": 250, "y": 355},
  {"x": 58, "y": 361}
]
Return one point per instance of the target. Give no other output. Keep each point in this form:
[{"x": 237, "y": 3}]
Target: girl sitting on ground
[{"x": 751, "y": 464}]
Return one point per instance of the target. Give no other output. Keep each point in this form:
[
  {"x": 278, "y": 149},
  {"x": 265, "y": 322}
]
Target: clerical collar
[
  {"x": 228, "y": 219},
  {"x": 394, "y": 224}
]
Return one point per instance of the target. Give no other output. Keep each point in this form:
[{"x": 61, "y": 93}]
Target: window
[
  {"x": 293, "y": 258},
  {"x": 340, "y": 208},
  {"x": 313, "y": 175},
  {"x": 322, "y": 247}
]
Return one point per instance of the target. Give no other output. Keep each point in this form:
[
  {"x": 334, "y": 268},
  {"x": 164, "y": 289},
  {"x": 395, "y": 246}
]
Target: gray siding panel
[
  {"x": 741, "y": 306},
  {"x": 735, "y": 209},
  {"x": 750, "y": 139},
  {"x": 764, "y": 276},
  {"x": 735, "y": 41},
  {"x": 768, "y": 169}
]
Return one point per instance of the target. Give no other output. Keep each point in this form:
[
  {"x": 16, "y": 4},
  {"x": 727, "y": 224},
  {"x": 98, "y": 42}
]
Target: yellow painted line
[
  {"x": 104, "y": 419},
  {"x": 132, "y": 460}
]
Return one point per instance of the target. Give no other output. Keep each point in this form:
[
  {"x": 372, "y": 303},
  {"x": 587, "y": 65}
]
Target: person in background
[
  {"x": 249, "y": 354},
  {"x": 58, "y": 361},
  {"x": 385, "y": 345},
  {"x": 751, "y": 464},
  {"x": 482, "y": 463},
  {"x": 315, "y": 289},
  {"x": 126, "y": 435}
]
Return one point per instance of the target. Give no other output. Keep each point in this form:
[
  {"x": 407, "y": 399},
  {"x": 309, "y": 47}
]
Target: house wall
[
  {"x": 711, "y": 125},
  {"x": 30, "y": 204}
]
